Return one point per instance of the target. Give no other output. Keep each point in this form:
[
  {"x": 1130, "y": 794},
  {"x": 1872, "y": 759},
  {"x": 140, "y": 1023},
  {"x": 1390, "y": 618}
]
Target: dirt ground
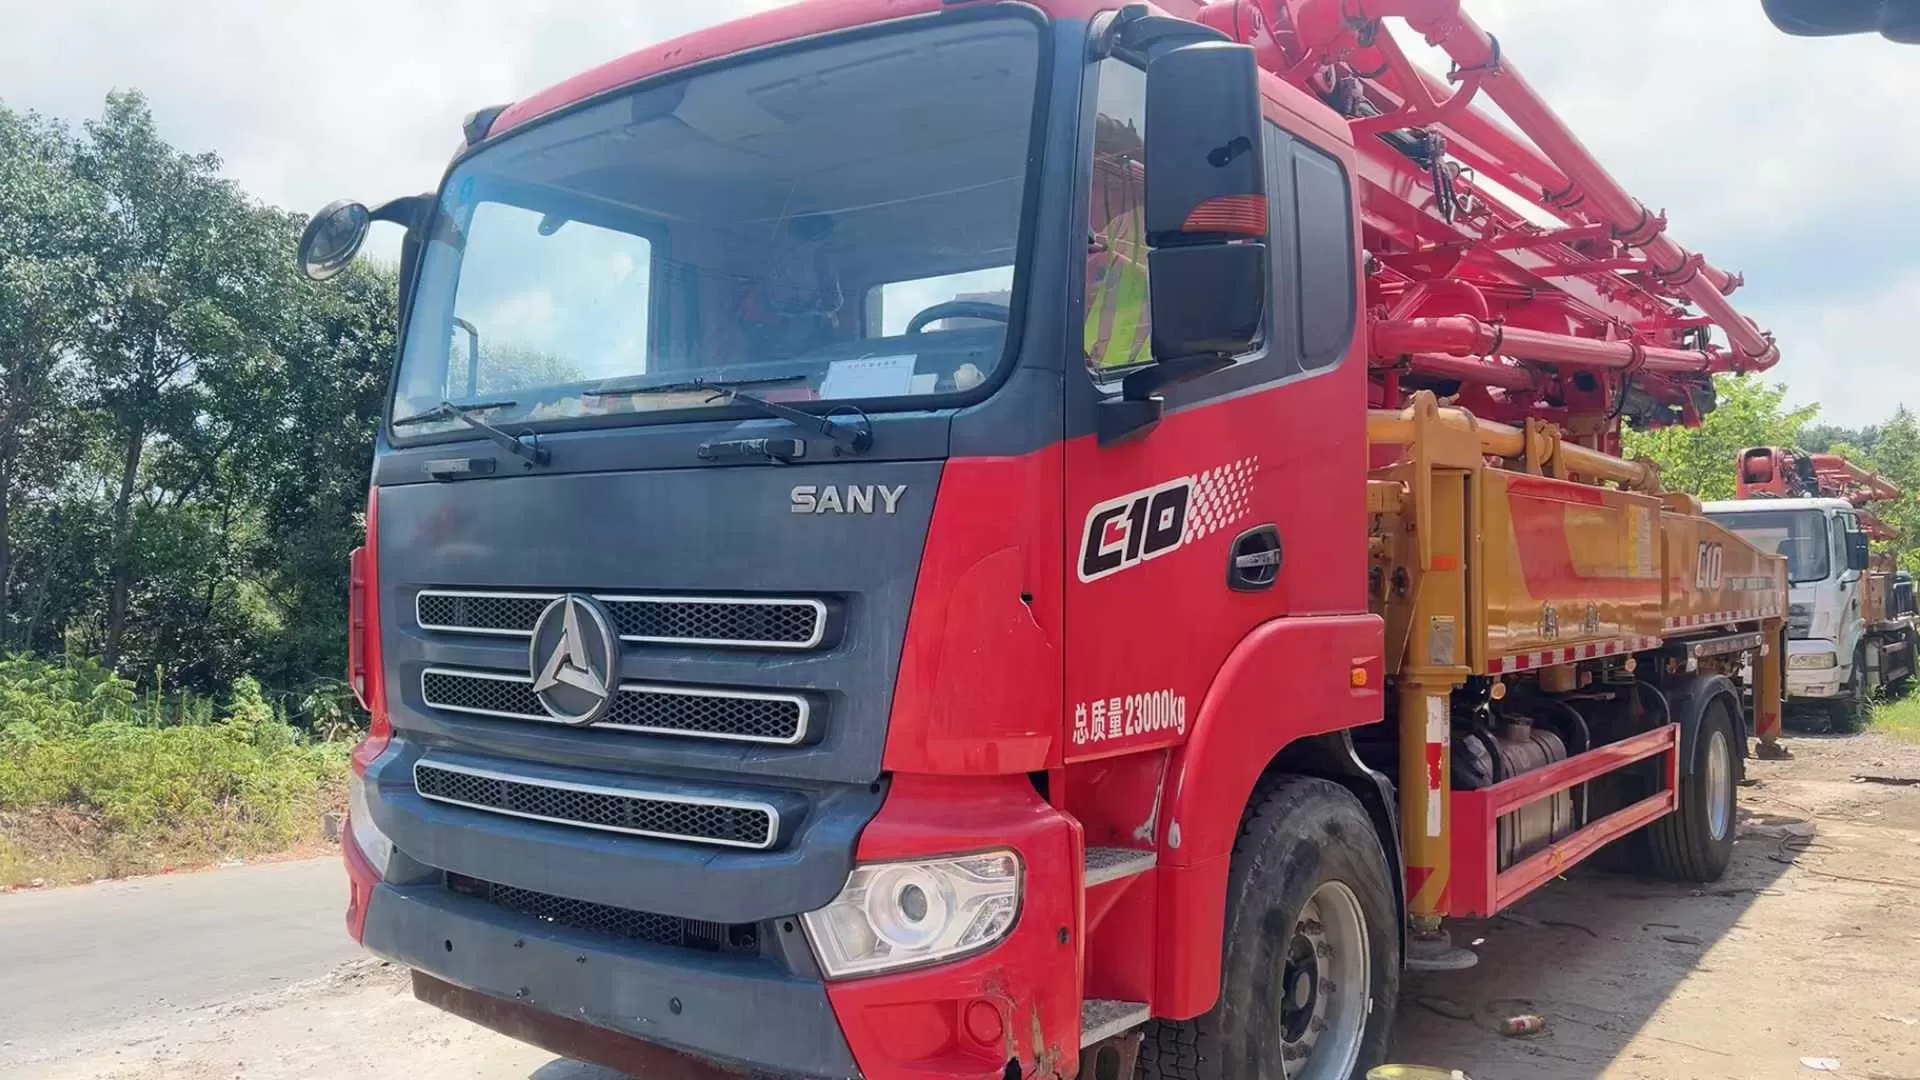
[
  {"x": 1808, "y": 951},
  {"x": 1809, "y": 947}
]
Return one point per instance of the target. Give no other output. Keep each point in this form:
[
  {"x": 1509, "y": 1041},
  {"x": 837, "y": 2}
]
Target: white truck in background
[{"x": 1852, "y": 633}]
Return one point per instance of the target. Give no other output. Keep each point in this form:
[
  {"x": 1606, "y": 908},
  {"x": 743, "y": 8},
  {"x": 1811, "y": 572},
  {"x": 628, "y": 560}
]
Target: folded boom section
[{"x": 1509, "y": 272}]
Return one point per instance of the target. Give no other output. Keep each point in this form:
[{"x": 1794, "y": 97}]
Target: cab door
[{"x": 1246, "y": 503}]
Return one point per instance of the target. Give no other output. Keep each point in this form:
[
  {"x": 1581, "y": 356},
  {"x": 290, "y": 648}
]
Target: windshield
[
  {"x": 836, "y": 222},
  {"x": 1800, "y": 535}
]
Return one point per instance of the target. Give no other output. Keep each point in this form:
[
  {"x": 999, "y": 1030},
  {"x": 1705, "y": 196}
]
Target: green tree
[
  {"x": 169, "y": 281},
  {"x": 1895, "y": 455},
  {"x": 186, "y": 423},
  {"x": 1700, "y": 460},
  {"x": 48, "y": 226},
  {"x": 1824, "y": 438}
]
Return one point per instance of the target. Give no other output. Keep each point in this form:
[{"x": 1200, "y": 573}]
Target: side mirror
[
  {"x": 332, "y": 238},
  {"x": 1206, "y": 201},
  {"x": 1896, "y": 20},
  {"x": 1205, "y": 224},
  {"x": 1857, "y": 551}
]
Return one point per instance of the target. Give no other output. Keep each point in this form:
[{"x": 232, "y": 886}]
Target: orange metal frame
[{"x": 1481, "y": 889}]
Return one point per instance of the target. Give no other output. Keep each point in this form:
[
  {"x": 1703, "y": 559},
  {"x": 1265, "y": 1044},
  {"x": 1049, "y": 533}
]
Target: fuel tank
[{"x": 1516, "y": 747}]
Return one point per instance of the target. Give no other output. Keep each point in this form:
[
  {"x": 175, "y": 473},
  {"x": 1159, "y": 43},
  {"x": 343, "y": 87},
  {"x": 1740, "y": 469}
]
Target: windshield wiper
[
  {"x": 468, "y": 414},
  {"x": 621, "y": 387},
  {"x": 854, "y": 440}
]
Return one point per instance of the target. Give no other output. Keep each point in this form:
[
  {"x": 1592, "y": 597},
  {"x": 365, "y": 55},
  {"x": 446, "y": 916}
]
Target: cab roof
[{"x": 1739, "y": 506}]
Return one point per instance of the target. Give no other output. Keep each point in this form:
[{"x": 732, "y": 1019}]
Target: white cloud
[
  {"x": 1785, "y": 157},
  {"x": 1854, "y": 358}
]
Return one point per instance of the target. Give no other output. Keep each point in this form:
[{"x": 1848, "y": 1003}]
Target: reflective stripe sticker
[{"x": 1436, "y": 761}]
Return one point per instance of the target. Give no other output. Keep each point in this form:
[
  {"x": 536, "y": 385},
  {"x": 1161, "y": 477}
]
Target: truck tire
[
  {"x": 1311, "y": 975},
  {"x": 1695, "y": 842},
  {"x": 1849, "y": 714}
]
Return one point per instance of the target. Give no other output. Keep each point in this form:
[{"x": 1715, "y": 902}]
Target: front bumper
[
  {"x": 1823, "y": 683},
  {"x": 623, "y": 1004},
  {"x": 742, "y": 1010}
]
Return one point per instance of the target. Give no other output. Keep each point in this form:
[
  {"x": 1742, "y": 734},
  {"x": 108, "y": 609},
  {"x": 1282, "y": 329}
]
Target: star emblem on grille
[{"x": 574, "y": 657}]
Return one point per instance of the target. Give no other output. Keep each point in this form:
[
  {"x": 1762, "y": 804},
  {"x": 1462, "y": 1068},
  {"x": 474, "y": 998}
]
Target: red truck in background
[{"x": 926, "y": 538}]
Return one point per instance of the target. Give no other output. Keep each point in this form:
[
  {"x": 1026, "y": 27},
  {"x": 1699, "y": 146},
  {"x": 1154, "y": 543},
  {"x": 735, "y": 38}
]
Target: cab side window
[
  {"x": 1310, "y": 239},
  {"x": 1119, "y": 323},
  {"x": 1313, "y": 302}
]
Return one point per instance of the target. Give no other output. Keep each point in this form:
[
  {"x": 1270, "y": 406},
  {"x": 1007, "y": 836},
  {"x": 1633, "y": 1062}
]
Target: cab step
[
  {"x": 1106, "y": 864},
  {"x": 1101, "y": 1019}
]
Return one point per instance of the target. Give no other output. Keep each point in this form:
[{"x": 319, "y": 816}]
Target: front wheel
[
  {"x": 1312, "y": 968},
  {"x": 1849, "y": 714}
]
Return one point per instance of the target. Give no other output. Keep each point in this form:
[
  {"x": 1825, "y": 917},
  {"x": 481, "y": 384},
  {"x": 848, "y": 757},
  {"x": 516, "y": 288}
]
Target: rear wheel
[
  {"x": 1695, "y": 842},
  {"x": 1312, "y": 968}
]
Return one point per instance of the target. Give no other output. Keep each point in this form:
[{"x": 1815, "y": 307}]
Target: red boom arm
[{"x": 1511, "y": 270}]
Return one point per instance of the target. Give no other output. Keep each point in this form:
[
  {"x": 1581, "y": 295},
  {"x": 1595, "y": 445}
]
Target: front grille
[
  {"x": 738, "y": 715},
  {"x": 511, "y": 614},
  {"x": 787, "y": 624},
  {"x": 775, "y": 718},
  {"x": 782, "y": 623},
  {"x": 670, "y": 817},
  {"x": 613, "y": 921}
]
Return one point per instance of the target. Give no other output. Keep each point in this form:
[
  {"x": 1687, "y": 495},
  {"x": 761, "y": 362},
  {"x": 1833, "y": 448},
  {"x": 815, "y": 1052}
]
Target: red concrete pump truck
[{"x": 927, "y": 538}]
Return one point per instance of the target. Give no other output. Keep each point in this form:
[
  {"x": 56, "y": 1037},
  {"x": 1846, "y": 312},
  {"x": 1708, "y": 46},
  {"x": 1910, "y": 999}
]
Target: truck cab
[{"x": 1839, "y": 649}]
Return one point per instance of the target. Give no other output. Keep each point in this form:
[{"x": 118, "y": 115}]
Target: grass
[
  {"x": 99, "y": 781},
  {"x": 1899, "y": 718}
]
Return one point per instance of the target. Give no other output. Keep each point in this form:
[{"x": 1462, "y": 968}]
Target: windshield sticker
[
  {"x": 1141, "y": 525},
  {"x": 869, "y": 376}
]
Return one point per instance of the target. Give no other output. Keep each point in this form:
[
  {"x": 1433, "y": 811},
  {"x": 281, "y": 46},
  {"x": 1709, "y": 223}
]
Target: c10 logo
[
  {"x": 1709, "y": 566},
  {"x": 1133, "y": 528}
]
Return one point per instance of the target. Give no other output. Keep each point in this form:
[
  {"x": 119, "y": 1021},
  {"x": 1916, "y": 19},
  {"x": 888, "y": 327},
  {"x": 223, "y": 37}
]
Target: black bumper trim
[{"x": 742, "y": 1011}]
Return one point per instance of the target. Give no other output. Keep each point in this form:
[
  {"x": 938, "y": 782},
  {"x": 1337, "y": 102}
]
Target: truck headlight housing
[
  {"x": 902, "y": 914},
  {"x": 366, "y": 835},
  {"x": 1803, "y": 661}
]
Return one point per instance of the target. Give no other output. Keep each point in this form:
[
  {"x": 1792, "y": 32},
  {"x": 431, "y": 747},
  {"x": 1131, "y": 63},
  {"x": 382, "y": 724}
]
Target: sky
[{"x": 1788, "y": 159}]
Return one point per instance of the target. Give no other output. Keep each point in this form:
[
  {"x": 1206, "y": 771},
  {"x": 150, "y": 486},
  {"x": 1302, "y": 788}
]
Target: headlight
[
  {"x": 1813, "y": 660},
  {"x": 1799, "y": 611},
  {"x": 366, "y": 835},
  {"x": 893, "y": 915}
]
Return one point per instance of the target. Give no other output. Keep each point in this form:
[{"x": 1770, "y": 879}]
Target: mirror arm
[
  {"x": 1148, "y": 381},
  {"x": 407, "y": 211},
  {"x": 1140, "y": 406},
  {"x": 1133, "y": 33}
]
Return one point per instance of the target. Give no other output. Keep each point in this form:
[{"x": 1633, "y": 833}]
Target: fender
[
  {"x": 1688, "y": 699},
  {"x": 1288, "y": 679}
]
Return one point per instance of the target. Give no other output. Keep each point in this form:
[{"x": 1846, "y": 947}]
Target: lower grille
[
  {"x": 613, "y": 921},
  {"x": 663, "y": 816},
  {"x": 651, "y": 708}
]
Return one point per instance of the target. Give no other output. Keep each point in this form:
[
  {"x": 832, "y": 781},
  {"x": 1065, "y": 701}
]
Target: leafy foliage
[
  {"x": 186, "y": 424},
  {"x": 186, "y": 429},
  {"x": 171, "y": 774},
  {"x": 1700, "y": 460}
]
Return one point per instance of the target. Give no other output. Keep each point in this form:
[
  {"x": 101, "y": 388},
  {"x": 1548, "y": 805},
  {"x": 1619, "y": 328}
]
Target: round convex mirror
[{"x": 332, "y": 238}]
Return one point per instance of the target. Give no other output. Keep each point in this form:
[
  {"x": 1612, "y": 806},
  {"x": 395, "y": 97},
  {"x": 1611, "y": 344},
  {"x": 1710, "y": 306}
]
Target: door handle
[{"x": 1254, "y": 562}]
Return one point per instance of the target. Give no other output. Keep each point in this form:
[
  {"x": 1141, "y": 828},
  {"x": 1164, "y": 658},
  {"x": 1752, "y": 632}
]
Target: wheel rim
[
  {"x": 1326, "y": 987},
  {"x": 1719, "y": 785}
]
